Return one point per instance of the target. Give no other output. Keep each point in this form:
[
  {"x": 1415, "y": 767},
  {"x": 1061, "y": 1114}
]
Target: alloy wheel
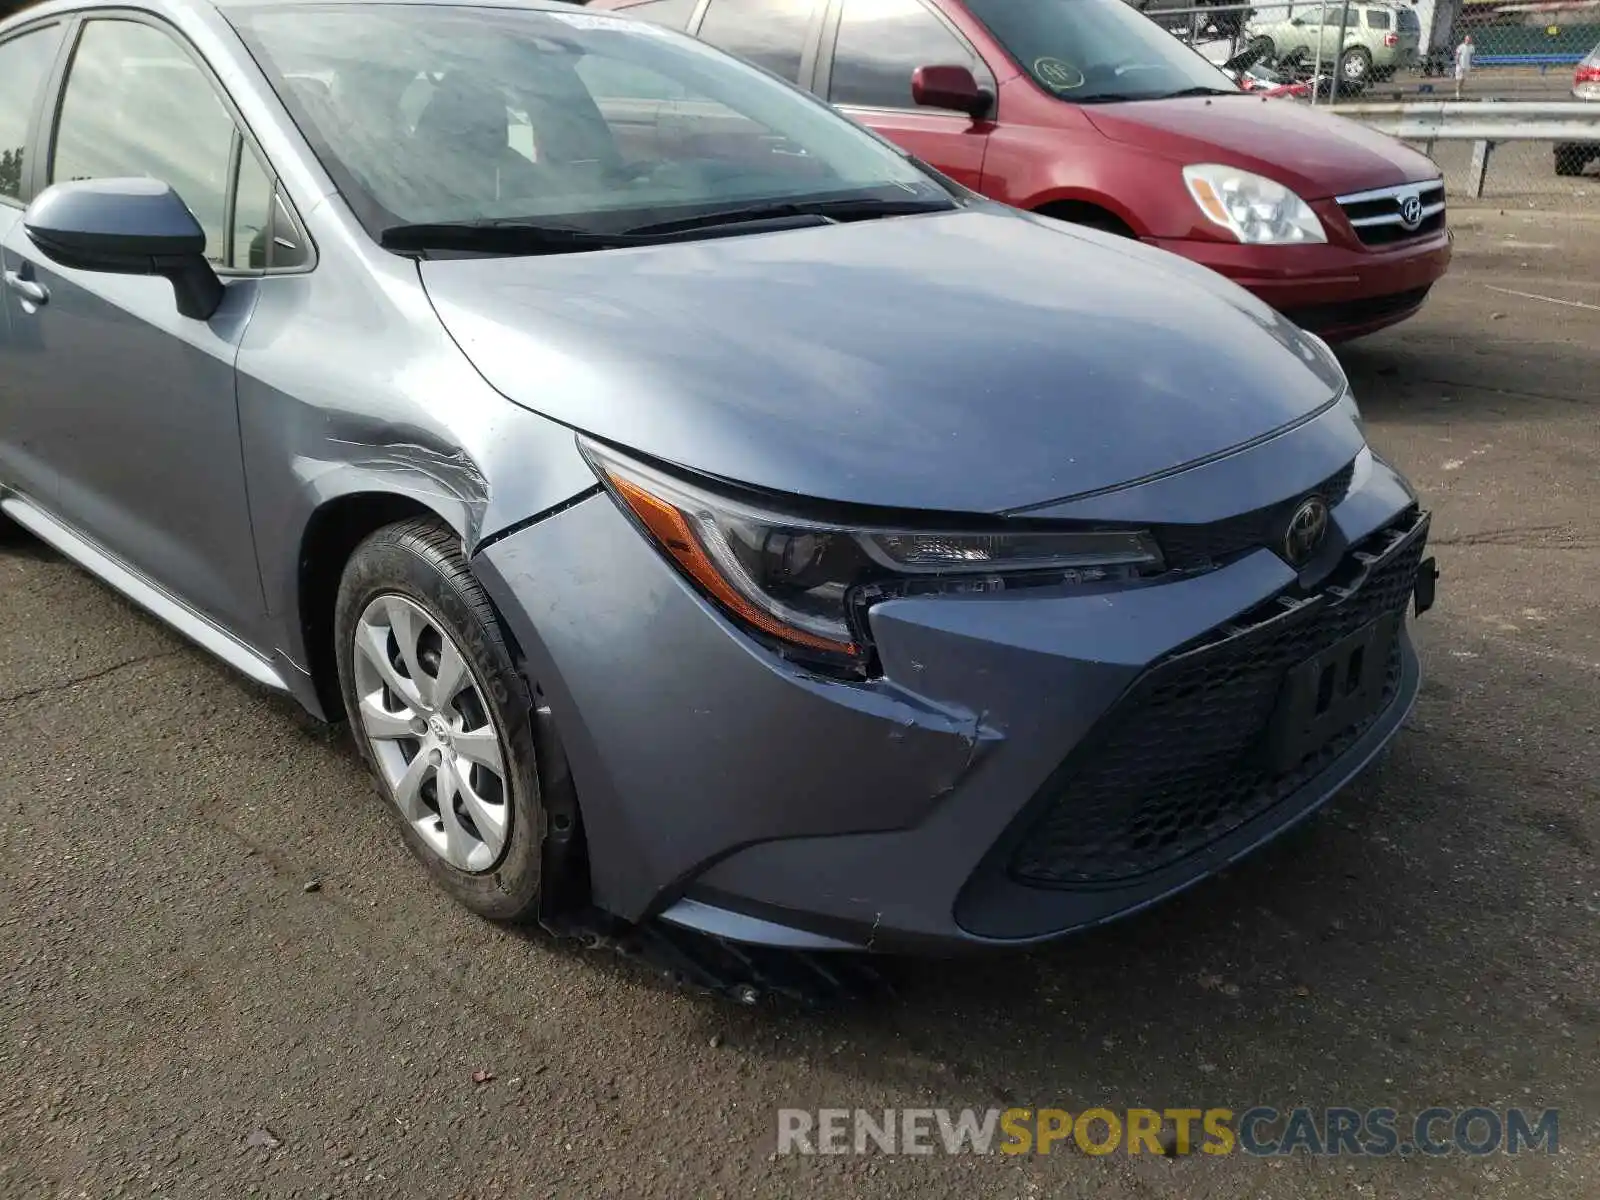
[{"x": 429, "y": 731}]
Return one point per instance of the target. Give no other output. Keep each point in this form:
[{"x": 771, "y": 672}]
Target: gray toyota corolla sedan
[{"x": 701, "y": 511}]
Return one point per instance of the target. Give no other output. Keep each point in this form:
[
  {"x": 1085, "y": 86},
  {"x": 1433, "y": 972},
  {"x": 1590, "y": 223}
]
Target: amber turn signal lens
[{"x": 1208, "y": 199}]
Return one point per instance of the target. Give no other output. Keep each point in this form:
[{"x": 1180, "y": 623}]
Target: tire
[
  {"x": 1571, "y": 159},
  {"x": 1355, "y": 67},
  {"x": 409, "y": 580},
  {"x": 1264, "y": 48}
]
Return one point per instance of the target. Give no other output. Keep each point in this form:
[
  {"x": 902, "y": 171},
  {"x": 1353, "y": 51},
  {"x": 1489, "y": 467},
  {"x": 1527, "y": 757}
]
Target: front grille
[
  {"x": 1179, "y": 763},
  {"x": 1379, "y": 217},
  {"x": 1187, "y": 547},
  {"x": 1348, "y": 314}
]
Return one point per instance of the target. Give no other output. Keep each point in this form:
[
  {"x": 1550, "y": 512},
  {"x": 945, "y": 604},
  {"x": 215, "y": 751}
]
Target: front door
[
  {"x": 25, "y": 63},
  {"x": 143, "y": 429},
  {"x": 879, "y": 44}
]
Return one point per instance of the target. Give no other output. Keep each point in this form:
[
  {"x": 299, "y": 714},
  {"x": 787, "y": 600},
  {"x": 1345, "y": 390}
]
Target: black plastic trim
[{"x": 994, "y": 905}]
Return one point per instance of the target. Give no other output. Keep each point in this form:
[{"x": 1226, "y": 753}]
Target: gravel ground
[{"x": 180, "y": 1016}]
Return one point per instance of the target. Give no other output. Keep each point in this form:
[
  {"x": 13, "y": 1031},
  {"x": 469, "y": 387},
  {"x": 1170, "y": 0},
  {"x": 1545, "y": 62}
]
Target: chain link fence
[{"x": 1338, "y": 52}]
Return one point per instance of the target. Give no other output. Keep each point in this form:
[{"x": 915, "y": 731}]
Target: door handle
[{"x": 33, "y": 293}]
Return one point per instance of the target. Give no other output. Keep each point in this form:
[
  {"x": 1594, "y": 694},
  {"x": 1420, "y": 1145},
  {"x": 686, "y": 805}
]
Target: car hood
[
  {"x": 976, "y": 361},
  {"x": 1314, "y": 153}
]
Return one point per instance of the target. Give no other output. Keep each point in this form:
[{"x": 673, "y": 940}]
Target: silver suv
[{"x": 1379, "y": 39}]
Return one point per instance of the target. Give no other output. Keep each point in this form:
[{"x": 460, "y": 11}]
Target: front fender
[{"x": 1034, "y": 166}]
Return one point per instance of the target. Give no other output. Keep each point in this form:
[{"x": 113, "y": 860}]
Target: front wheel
[{"x": 441, "y": 716}]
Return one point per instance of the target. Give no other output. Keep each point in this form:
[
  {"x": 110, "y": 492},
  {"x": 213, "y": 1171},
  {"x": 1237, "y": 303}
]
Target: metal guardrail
[
  {"x": 1484, "y": 123},
  {"x": 1472, "y": 120}
]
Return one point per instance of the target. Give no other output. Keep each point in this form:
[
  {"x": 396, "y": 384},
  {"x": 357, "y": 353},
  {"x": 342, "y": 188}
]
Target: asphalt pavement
[{"x": 223, "y": 976}]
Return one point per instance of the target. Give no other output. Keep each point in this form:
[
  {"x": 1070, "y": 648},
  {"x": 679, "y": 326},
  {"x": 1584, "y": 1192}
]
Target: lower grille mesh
[{"x": 1178, "y": 766}]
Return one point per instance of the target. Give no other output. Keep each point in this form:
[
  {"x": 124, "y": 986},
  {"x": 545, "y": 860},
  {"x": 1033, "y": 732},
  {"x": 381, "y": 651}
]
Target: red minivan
[{"x": 1088, "y": 111}]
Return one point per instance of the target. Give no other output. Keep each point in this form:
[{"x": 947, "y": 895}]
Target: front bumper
[
  {"x": 726, "y": 789},
  {"x": 1334, "y": 289}
]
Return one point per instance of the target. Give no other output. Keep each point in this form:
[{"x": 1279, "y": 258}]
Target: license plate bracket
[{"x": 1330, "y": 691}]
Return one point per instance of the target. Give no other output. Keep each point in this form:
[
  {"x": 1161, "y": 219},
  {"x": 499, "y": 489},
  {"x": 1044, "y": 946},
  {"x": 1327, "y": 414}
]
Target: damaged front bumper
[{"x": 1030, "y": 763}]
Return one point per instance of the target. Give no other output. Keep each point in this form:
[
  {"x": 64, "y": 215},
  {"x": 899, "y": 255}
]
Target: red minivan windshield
[{"x": 1098, "y": 51}]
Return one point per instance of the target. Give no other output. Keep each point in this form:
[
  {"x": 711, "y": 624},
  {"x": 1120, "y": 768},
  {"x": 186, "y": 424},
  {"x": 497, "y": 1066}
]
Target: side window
[
  {"x": 265, "y": 236},
  {"x": 674, "y": 14},
  {"x": 289, "y": 246},
  {"x": 24, "y": 62},
  {"x": 136, "y": 104},
  {"x": 769, "y": 33},
  {"x": 1377, "y": 18},
  {"x": 881, "y": 42},
  {"x": 252, "y": 216}
]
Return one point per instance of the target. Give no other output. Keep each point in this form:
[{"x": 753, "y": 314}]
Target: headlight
[
  {"x": 805, "y": 583},
  {"x": 1254, "y": 209}
]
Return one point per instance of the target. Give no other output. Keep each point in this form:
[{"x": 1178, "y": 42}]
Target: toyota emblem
[
  {"x": 1411, "y": 211},
  {"x": 1307, "y": 528}
]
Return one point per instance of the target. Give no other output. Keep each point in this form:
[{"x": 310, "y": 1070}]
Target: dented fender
[
  {"x": 628, "y": 655},
  {"x": 376, "y": 400}
]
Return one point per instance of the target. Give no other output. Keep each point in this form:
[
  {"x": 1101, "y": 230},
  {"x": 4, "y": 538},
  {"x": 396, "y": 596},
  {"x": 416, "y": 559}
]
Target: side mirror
[
  {"x": 955, "y": 88},
  {"x": 127, "y": 227}
]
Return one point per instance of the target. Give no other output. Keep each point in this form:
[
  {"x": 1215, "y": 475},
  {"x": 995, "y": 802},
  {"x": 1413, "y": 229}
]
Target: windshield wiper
[
  {"x": 1133, "y": 97},
  {"x": 529, "y": 237},
  {"x": 856, "y": 209},
  {"x": 498, "y": 237},
  {"x": 503, "y": 236},
  {"x": 1195, "y": 91}
]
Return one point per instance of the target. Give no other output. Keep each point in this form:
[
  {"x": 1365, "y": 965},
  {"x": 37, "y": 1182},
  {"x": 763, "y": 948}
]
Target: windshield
[
  {"x": 1091, "y": 51},
  {"x": 429, "y": 114}
]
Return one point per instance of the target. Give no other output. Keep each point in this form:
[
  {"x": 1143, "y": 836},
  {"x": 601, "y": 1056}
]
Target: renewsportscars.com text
[{"x": 1258, "y": 1131}]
